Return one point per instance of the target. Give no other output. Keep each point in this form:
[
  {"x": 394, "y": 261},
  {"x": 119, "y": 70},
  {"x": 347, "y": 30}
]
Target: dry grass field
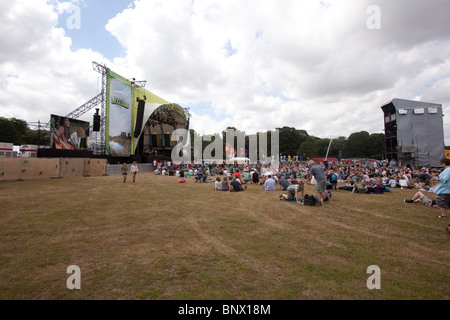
[{"x": 158, "y": 239}]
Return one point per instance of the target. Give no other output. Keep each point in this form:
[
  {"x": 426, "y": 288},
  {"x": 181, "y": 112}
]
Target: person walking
[
  {"x": 134, "y": 170},
  {"x": 124, "y": 171}
]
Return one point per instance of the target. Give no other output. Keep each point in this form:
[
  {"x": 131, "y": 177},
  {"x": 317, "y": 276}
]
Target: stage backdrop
[
  {"x": 68, "y": 134},
  {"x": 121, "y": 105},
  {"x": 119, "y": 114}
]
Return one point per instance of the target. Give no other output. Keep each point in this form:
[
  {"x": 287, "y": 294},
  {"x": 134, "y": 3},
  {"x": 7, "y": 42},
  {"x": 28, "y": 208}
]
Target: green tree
[
  {"x": 322, "y": 147},
  {"x": 291, "y": 139},
  {"x": 377, "y": 146},
  {"x": 337, "y": 145},
  {"x": 357, "y": 145},
  {"x": 13, "y": 131},
  {"x": 309, "y": 148}
]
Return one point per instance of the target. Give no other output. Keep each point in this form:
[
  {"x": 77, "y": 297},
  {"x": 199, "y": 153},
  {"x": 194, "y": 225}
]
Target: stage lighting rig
[{"x": 140, "y": 83}]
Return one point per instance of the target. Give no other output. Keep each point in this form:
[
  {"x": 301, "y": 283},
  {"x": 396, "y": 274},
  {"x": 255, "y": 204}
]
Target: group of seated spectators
[{"x": 357, "y": 177}]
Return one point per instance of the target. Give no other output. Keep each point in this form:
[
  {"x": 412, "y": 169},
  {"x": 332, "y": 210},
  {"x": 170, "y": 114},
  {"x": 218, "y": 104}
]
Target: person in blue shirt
[
  {"x": 284, "y": 184},
  {"x": 269, "y": 185},
  {"x": 442, "y": 189},
  {"x": 317, "y": 172},
  {"x": 246, "y": 176}
]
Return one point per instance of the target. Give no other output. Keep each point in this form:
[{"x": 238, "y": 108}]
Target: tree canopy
[
  {"x": 292, "y": 141},
  {"x": 18, "y": 132}
]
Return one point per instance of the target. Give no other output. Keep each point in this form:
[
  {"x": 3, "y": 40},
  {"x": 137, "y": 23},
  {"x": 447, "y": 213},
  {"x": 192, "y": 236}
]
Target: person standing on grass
[
  {"x": 124, "y": 171},
  {"x": 317, "y": 172},
  {"x": 134, "y": 169},
  {"x": 442, "y": 189}
]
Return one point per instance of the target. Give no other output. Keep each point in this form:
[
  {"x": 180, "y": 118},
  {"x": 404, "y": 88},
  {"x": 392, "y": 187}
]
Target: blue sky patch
[
  {"x": 229, "y": 50},
  {"x": 87, "y": 30}
]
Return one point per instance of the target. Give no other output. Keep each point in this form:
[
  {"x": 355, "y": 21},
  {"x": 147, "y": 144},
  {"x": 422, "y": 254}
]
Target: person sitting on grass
[
  {"x": 247, "y": 176},
  {"x": 359, "y": 186},
  {"x": 199, "y": 176},
  {"x": 238, "y": 175},
  {"x": 218, "y": 184},
  {"x": 393, "y": 182},
  {"x": 419, "y": 197},
  {"x": 255, "y": 177},
  {"x": 269, "y": 184},
  {"x": 236, "y": 185},
  {"x": 378, "y": 187},
  {"x": 348, "y": 186},
  {"x": 225, "y": 184},
  {"x": 205, "y": 177},
  {"x": 332, "y": 181}
]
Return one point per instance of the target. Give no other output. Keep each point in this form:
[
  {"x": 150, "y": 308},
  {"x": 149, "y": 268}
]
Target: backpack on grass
[{"x": 309, "y": 200}]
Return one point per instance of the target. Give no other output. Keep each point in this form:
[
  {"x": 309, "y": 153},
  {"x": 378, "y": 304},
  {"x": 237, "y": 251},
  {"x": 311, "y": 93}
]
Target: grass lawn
[{"x": 159, "y": 239}]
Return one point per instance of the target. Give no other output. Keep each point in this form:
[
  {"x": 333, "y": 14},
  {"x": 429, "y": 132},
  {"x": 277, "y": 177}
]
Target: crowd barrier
[{"x": 48, "y": 168}]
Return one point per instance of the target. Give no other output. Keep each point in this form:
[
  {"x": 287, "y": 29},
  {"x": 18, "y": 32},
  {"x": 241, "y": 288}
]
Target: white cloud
[
  {"x": 40, "y": 74},
  {"x": 312, "y": 65}
]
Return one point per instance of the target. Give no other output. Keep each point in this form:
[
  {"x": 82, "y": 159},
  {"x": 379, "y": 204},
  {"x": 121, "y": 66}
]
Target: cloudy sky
[{"x": 323, "y": 66}]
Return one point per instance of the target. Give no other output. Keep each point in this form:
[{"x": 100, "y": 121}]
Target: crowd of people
[{"x": 358, "y": 177}]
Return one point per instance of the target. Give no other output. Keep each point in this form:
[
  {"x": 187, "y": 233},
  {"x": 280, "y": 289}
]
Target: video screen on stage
[{"x": 68, "y": 134}]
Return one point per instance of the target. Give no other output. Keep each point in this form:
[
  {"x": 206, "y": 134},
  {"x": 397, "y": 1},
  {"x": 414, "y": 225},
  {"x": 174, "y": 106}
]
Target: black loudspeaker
[
  {"x": 139, "y": 118},
  {"x": 96, "y": 123}
]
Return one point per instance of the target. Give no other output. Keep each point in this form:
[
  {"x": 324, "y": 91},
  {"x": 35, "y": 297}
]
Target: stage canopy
[{"x": 133, "y": 111}]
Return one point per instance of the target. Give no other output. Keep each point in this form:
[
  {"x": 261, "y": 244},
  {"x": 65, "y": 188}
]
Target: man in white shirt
[{"x": 269, "y": 184}]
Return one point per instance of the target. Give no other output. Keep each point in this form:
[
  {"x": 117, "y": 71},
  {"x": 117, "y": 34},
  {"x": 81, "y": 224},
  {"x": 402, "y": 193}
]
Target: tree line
[
  {"x": 18, "y": 132},
  {"x": 295, "y": 142},
  {"x": 292, "y": 141}
]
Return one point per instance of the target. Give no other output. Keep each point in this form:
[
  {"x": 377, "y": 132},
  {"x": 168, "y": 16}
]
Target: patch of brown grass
[{"x": 158, "y": 239}]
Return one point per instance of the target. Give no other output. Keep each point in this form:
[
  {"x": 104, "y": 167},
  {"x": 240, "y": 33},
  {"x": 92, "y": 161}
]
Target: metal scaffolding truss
[
  {"x": 100, "y": 99},
  {"x": 86, "y": 107},
  {"x": 104, "y": 72},
  {"x": 95, "y": 101}
]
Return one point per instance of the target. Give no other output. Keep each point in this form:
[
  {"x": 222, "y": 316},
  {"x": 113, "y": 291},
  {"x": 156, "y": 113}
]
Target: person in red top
[{"x": 238, "y": 175}]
